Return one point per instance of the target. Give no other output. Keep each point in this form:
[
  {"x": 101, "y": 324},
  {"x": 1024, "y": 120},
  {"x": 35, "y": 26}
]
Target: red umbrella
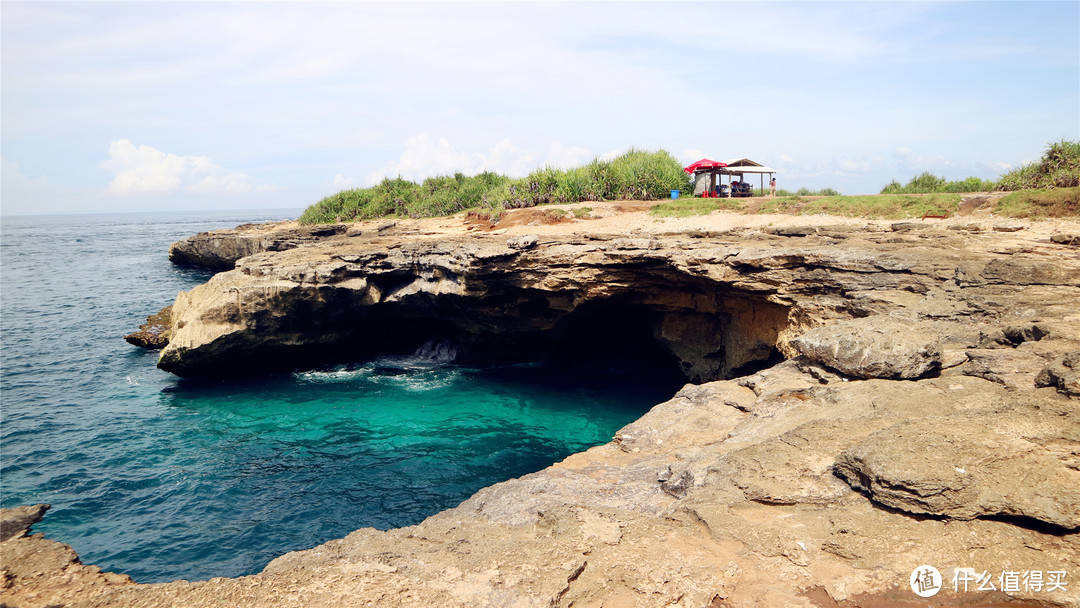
[{"x": 704, "y": 164}]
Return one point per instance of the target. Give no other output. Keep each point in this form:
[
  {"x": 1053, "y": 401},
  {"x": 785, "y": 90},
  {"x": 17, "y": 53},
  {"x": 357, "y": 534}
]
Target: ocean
[{"x": 163, "y": 478}]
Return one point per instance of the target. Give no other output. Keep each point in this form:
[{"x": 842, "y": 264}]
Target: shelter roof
[
  {"x": 703, "y": 164},
  {"x": 748, "y": 169},
  {"x": 735, "y": 165},
  {"x": 745, "y": 165}
]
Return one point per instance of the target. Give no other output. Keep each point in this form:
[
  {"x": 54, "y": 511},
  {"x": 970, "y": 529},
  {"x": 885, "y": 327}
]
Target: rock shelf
[{"x": 861, "y": 400}]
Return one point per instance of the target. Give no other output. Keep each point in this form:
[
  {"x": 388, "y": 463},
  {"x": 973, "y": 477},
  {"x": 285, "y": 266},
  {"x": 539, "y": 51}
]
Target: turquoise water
[{"x": 163, "y": 478}]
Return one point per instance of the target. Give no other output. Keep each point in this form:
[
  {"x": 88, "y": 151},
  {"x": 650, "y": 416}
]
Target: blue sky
[{"x": 164, "y": 106}]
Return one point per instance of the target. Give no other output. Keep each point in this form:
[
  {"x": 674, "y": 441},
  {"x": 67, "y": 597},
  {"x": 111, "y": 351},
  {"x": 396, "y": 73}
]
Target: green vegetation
[
  {"x": 928, "y": 183},
  {"x": 801, "y": 192},
  {"x": 685, "y": 207},
  {"x": 1050, "y": 188},
  {"x": 1058, "y": 168},
  {"x": 893, "y": 206},
  {"x": 1059, "y": 202},
  {"x": 636, "y": 174}
]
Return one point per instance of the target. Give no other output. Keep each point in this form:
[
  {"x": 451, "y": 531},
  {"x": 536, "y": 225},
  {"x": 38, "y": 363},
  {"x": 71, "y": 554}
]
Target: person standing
[{"x": 772, "y": 187}]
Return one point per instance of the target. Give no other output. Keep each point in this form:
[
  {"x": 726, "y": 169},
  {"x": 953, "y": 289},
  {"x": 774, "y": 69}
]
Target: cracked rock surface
[{"x": 821, "y": 480}]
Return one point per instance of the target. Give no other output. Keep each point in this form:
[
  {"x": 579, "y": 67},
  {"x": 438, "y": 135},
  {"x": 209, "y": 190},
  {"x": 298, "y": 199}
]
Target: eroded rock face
[
  {"x": 874, "y": 347},
  {"x": 37, "y": 572},
  {"x": 963, "y": 467},
  {"x": 1063, "y": 374},
  {"x": 929, "y": 421},
  {"x": 710, "y": 307},
  {"x": 498, "y": 303},
  {"x": 155, "y": 333},
  {"x": 220, "y": 249}
]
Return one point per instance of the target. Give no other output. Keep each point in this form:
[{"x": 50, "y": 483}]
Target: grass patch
[
  {"x": 894, "y": 206},
  {"x": 802, "y": 192},
  {"x": 928, "y": 183},
  {"x": 687, "y": 207},
  {"x": 1059, "y": 167},
  {"x": 581, "y": 212},
  {"x": 634, "y": 175},
  {"x": 1059, "y": 202}
]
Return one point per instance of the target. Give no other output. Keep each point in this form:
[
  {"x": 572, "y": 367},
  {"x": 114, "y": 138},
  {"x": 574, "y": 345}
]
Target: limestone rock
[
  {"x": 16, "y": 522},
  {"x": 524, "y": 241},
  {"x": 1012, "y": 368},
  {"x": 792, "y": 230},
  {"x": 970, "y": 227},
  {"x": 155, "y": 333},
  {"x": 1063, "y": 374},
  {"x": 962, "y": 468},
  {"x": 1008, "y": 227},
  {"x": 626, "y": 244},
  {"x": 873, "y": 347},
  {"x": 1066, "y": 239},
  {"x": 790, "y": 484},
  {"x": 1026, "y": 270},
  {"x": 39, "y": 573},
  {"x": 220, "y": 249}
]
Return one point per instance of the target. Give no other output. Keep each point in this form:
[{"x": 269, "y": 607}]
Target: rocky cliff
[
  {"x": 220, "y": 249},
  {"x": 926, "y": 411}
]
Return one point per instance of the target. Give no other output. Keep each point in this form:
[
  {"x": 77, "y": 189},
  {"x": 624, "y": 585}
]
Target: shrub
[
  {"x": 1059, "y": 202},
  {"x": 1058, "y": 168},
  {"x": 636, "y": 174},
  {"x": 928, "y": 183}
]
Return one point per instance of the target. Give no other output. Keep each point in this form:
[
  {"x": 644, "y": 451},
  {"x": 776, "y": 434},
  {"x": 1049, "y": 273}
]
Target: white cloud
[
  {"x": 22, "y": 193},
  {"x": 342, "y": 182},
  {"x": 146, "y": 170},
  {"x": 561, "y": 157},
  {"x": 508, "y": 159},
  {"x": 15, "y": 179},
  {"x": 424, "y": 157},
  {"x": 691, "y": 155}
]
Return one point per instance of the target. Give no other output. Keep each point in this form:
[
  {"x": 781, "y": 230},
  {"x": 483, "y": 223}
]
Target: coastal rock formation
[
  {"x": 1064, "y": 374},
  {"x": 220, "y": 249},
  {"x": 496, "y": 302},
  {"x": 155, "y": 333},
  {"x": 925, "y": 413},
  {"x": 41, "y": 572},
  {"x": 874, "y": 347},
  {"x": 925, "y": 466}
]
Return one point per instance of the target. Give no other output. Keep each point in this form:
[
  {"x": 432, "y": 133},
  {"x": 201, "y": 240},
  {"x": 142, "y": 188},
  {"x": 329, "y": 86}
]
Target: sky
[{"x": 155, "y": 106}]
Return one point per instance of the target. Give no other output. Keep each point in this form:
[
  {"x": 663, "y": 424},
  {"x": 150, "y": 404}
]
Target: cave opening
[
  {"x": 671, "y": 332},
  {"x": 633, "y": 336},
  {"x": 613, "y": 339}
]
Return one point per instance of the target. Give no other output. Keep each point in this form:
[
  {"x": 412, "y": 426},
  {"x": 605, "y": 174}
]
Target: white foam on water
[{"x": 337, "y": 375}]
